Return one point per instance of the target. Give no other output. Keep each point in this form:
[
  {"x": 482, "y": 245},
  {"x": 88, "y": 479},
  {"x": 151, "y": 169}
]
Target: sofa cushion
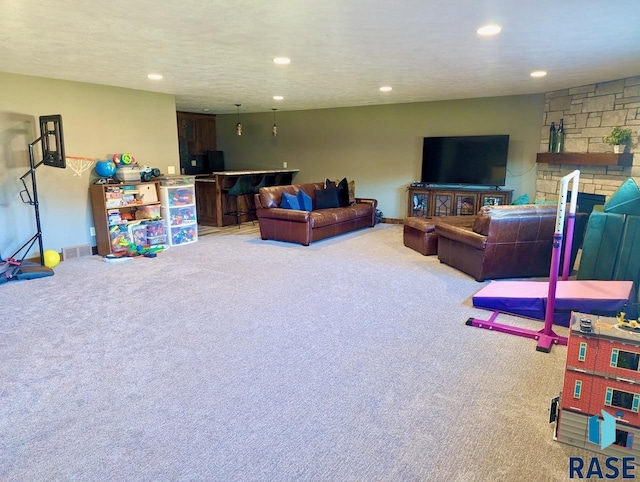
[
  {"x": 289, "y": 201},
  {"x": 327, "y": 217},
  {"x": 626, "y": 200},
  {"x": 343, "y": 192},
  {"x": 304, "y": 200},
  {"x": 327, "y": 198}
]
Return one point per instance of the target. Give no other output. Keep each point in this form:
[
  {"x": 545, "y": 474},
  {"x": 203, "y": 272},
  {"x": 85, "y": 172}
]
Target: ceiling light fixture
[
  {"x": 488, "y": 30},
  {"x": 274, "y": 129},
  {"x": 154, "y": 76},
  {"x": 538, "y": 73},
  {"x": 282, "y": 60},
  {"x": 386, "y": 88},
  {"x": 238, "y": 124},
  {"x": 278, "y": 97}
]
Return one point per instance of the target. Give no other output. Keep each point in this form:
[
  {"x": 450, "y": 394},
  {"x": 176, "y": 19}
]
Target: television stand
[{"x": 453, "y": 201}]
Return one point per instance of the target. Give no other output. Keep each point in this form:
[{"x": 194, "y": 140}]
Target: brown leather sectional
[
  {"x": 505, "y": 242},
  {"x": 305, "y": 227}
]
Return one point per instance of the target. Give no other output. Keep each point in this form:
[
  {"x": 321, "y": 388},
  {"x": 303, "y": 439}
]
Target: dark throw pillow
[
  {"x": 327, "y": 198},
  {"x": 304, "y": 200},
  {"x": 343, "y": 192},
  {"x": 289, "y": 201}
]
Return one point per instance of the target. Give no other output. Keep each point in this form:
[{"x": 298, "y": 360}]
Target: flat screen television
[{"x": 469, "y": 160}]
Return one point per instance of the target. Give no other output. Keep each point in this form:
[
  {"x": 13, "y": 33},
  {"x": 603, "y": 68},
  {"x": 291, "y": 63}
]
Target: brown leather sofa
[
  {"x": 505, "y": 242},
  {"x": 305, "y": 227}
]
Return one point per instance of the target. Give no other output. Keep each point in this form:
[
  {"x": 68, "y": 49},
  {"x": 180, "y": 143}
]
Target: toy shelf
[{"x": 136, "y": 221}]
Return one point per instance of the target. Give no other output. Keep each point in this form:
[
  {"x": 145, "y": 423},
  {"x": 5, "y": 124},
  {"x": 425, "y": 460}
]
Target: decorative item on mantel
[
  {"x": 552, "y": 138},
  {"x": 559, "y": 147},
  {"x": 619, "y": 138},
  {"x": 556, "y": 137}
]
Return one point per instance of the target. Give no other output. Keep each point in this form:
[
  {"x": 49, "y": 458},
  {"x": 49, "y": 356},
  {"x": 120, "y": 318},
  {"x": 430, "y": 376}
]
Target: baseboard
[{"x": 392, "y": 221}]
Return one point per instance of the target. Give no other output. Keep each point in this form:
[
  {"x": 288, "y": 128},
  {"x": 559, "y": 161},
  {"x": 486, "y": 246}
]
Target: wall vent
[{"x": 79, "y": 251}]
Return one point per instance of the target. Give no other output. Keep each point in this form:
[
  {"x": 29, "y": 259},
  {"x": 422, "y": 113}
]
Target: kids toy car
[{"x": 148, "y": 173}]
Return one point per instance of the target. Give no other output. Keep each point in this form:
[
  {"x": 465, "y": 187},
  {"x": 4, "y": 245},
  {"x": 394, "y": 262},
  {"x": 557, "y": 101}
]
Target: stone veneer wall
[{"x": 589, "y": 113}]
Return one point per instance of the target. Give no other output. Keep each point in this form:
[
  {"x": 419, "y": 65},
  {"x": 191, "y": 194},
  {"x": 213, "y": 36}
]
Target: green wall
[
  {"x": 377, "y": 146},
  {"x": 380, "y": 147},
  {"x": 97, "y": 121}
]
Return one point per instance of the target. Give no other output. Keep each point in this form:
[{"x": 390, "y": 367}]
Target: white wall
[
  {"x": 380, "y": 147},
  {"x": 97, "y": 121}
]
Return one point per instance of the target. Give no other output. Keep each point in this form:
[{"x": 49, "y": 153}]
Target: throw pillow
[
  {"x": 327, "y": 198},
  {"x": 328, "y": 183},
  {"x": 352, "y": 190},
  {"x": 289, "y": 201},
  {"x": 524, "y": 199},
  {"x": 304, "y": 200},
  {"x": 343, "y": 192}
]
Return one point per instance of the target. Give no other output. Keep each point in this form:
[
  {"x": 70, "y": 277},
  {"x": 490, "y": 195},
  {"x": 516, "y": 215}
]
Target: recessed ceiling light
[
  {"x": 206, "y": 109},
  {"x": 277, "y": 97},
  {"x": 538, "y": 73},
  {"x": 282, "y": 60},
  {"x": 491, "y": 29},
  {"x": 155, "y": 76},
  {"x": 386, "y": 88}
]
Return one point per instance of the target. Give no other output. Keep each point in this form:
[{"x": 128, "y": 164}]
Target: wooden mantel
[{"x": 586, "y": 159}]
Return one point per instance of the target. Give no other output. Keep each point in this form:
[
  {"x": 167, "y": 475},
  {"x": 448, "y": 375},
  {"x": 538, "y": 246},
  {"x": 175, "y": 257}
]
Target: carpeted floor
[{"x": 237, "y": 359}]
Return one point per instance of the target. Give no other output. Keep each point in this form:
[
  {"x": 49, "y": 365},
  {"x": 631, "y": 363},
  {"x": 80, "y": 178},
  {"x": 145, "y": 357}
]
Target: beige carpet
[{"x": 237, "y": 359}]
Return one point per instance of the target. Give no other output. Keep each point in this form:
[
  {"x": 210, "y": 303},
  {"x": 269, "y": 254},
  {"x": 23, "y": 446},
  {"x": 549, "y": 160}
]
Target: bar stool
[
  {"x": 241, "y": 188},
  {"x": 267, "y": 180}
]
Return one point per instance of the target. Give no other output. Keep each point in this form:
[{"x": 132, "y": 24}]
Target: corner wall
[
  {"x": 380, "y": 147},
  {"x": 97, "y": 121}
]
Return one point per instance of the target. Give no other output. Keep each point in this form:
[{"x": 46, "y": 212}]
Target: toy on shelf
[
  {"x": 105, "y": 169},
  {"x": 125, "y": 159},
  {"x": 122, "y": 244},
  {"x": 147, "y": 173}
]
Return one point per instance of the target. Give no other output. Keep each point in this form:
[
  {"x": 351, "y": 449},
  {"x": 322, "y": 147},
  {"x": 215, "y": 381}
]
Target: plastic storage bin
[
  {"x": 179, "y": 210},
  {"x": 155, "y": 233}
]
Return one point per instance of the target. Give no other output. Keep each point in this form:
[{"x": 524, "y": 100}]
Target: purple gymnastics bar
[{"x": 547, "y": 337}]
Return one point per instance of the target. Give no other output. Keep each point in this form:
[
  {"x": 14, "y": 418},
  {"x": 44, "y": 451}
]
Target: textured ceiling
[{"x": 214, "y": 54}]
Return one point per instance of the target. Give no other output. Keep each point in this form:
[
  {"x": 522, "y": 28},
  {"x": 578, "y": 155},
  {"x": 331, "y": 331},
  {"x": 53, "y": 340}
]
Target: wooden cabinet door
[
  {"x": 205, "y": 133},
  {"x": 419, "y": 203},
  {"x": 186, "y": 127}
]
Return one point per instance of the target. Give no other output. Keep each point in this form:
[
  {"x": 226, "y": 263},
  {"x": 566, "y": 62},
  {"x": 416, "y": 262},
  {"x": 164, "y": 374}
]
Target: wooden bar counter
[{"x": 211, "y": 200}]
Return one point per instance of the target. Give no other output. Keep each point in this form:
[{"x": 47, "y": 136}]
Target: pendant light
[
  {"x": 238, "y": 124},
  {"x": 274, "y": 129}
]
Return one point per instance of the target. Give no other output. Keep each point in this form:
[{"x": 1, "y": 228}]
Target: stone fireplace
[{"x": 589, "y": 113}]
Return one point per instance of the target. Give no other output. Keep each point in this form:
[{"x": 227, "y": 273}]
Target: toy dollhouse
[{"x": 602, "y": 373}]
